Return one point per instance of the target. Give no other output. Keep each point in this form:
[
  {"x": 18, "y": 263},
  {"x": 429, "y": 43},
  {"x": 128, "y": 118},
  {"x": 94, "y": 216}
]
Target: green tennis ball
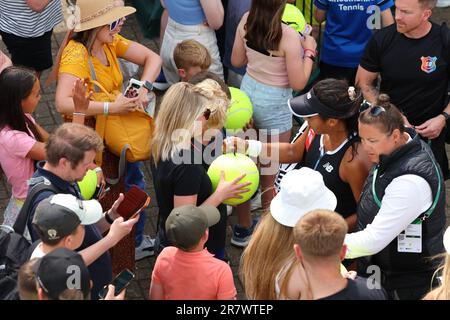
[
  {"x": 240, "y": 112},
  {"x": 234, "y": 165},
  {"x": 294, "y": 18},
  {"x": 88, "y": 184}
]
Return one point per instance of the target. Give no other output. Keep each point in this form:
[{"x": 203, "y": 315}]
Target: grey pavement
[{"x": 48, "y": 117}]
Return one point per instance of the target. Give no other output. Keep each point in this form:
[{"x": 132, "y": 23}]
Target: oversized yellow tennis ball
[
  {"x": 294, "y": 18},
  {"x": 88, "y": 184},
  {"x": 234, "y": 165},
  {"x": 240, "y": 112}
]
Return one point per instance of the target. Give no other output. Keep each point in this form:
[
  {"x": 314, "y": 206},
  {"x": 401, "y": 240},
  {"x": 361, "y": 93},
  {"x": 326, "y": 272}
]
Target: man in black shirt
[
  {"x": 413, "y": 59},
  {"x": 319, "y": 247}
]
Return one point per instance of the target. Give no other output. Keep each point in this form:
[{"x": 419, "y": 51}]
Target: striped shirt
[{"x": 17, "y": 18}]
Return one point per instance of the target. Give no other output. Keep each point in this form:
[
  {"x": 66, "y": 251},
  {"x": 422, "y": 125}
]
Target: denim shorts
[{"x": 270, "y": 108}]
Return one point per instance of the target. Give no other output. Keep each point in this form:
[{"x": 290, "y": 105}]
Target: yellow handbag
[{"x": 127, "y": 136}]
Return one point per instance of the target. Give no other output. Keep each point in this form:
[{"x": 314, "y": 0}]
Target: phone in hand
[
  {"x": 120, "y": 282},
  {"x": 132, "y": 90},
  {"x": 100, "y": 192},
  {"x": 134, "y": 202},
  {"x": 308, "y": 29}
]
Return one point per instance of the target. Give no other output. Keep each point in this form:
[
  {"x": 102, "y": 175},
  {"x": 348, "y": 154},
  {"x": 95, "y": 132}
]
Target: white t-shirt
[{"x": 38, "y": 252}]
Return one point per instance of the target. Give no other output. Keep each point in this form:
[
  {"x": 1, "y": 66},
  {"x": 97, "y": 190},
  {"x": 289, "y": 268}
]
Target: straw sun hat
[{"x": 97, "y": 13}]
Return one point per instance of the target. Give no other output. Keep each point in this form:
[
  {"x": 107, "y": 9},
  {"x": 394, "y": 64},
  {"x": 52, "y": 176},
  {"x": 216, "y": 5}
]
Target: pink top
[
  {"x": 268, "y": 70},
  {"x": 14, "y": 147},
  {"x": 193, "y": 276}
]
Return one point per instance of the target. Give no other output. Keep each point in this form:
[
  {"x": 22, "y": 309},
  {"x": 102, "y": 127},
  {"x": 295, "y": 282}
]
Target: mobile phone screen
[
  {"x": 120, "y": 282},
  {"x": 132, "y": 90}
]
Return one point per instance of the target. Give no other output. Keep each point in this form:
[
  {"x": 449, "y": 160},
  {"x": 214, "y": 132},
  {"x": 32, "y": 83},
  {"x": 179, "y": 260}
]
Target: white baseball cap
[
  {"x": 60, "y": 214},
  {"x": 301, "y": 191}
]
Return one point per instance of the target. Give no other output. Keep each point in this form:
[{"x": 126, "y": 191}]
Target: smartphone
[
  {"x": 120, "y": 282},
  {"x": 132, "y": 90},
  {"x": 307, "y": 30},
  {"x": 100, "y": 191},
  {"x": 135, "y": 200}
]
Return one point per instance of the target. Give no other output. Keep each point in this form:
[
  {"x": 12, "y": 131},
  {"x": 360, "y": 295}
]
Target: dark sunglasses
[
  {"x": 113, "y": 25},
  {"x": 375, "y": 111},
  {"x": 207, "y": 114}
]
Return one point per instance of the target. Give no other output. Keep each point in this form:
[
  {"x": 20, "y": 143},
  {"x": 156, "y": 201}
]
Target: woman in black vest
[
  {"x": 329, "y": 145},
  {"x": 401, "y": 214}
]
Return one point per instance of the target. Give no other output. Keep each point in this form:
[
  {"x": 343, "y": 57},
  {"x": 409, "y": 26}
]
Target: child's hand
[{"x": 80, "y": 97}]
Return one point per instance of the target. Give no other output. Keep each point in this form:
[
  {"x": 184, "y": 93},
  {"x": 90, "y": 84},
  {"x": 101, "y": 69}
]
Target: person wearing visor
[
  {"x": 90, "y": 52},
  {"x": 329, "y": 145},
  {"x": 401, "y": 213}
]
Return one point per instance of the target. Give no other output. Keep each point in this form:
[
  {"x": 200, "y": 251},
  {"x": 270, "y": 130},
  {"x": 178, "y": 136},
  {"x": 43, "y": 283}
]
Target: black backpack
[{"x": 15, "y": 249}]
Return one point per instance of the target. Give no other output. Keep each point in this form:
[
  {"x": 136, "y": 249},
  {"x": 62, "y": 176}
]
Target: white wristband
[
  {"x": 105, "y": 108},
  {"x": 254, "y": 148},
  {"x": 98, "y": 169}
]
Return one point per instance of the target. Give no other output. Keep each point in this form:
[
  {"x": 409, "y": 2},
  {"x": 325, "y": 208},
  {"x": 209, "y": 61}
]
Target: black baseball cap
[
  {"x": 59, "y": 215},
  {"x": 60, "y": 270},
  {"x": 308, "y": 105}
]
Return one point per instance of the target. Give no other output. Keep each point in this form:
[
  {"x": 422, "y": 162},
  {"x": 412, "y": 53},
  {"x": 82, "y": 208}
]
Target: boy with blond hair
[{"x": 191, "y": 58}]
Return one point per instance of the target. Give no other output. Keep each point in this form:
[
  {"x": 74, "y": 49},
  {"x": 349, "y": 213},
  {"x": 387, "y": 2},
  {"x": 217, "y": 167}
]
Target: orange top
[{"x": 193, "y": 276}]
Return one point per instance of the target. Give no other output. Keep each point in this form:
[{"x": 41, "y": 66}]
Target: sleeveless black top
[{"x": 328, "y": 163}]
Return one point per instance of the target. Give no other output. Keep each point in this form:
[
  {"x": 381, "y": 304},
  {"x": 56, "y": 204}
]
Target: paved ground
[{"x": 47, "y": 116}]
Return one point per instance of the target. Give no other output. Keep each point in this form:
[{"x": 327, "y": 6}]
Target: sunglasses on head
[
  {"x": 375, "y": 111},
  {"x": 113, "y": 25},
  {"x": 207, "y": 114}
]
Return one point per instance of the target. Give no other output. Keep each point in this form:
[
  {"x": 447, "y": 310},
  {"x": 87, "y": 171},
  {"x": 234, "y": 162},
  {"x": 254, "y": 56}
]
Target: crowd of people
[{"x": 352, "y": 205}]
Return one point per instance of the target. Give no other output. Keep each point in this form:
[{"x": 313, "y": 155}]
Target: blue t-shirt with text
[{"x": 349, "y": 26}]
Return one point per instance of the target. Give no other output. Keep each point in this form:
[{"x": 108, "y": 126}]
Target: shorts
[
  {"x": 35, "y": 53},
  {"x": 175, "y": 33},
  {"x": 270, "y": 108},
  {"x": 12, "y": 211}
]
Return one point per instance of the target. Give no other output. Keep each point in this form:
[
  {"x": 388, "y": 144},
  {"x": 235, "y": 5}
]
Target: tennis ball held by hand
[{"x": 233, "y": 166}]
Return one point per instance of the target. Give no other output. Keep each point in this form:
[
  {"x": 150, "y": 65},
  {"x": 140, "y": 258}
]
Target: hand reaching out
[{"x": 80, "y": 96}]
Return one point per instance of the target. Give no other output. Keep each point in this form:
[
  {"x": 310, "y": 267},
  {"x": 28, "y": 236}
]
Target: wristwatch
[
  {"x": 446, "y": 115},
  {"x": 148, "y": 85},
  {"x": 108, "y": 218}
]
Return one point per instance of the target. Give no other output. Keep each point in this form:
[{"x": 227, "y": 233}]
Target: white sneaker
[{"x": 146, "y": 248}]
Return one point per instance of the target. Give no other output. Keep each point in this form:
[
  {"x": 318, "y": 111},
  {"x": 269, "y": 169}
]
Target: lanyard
[{"x": 428, "y": 213}]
